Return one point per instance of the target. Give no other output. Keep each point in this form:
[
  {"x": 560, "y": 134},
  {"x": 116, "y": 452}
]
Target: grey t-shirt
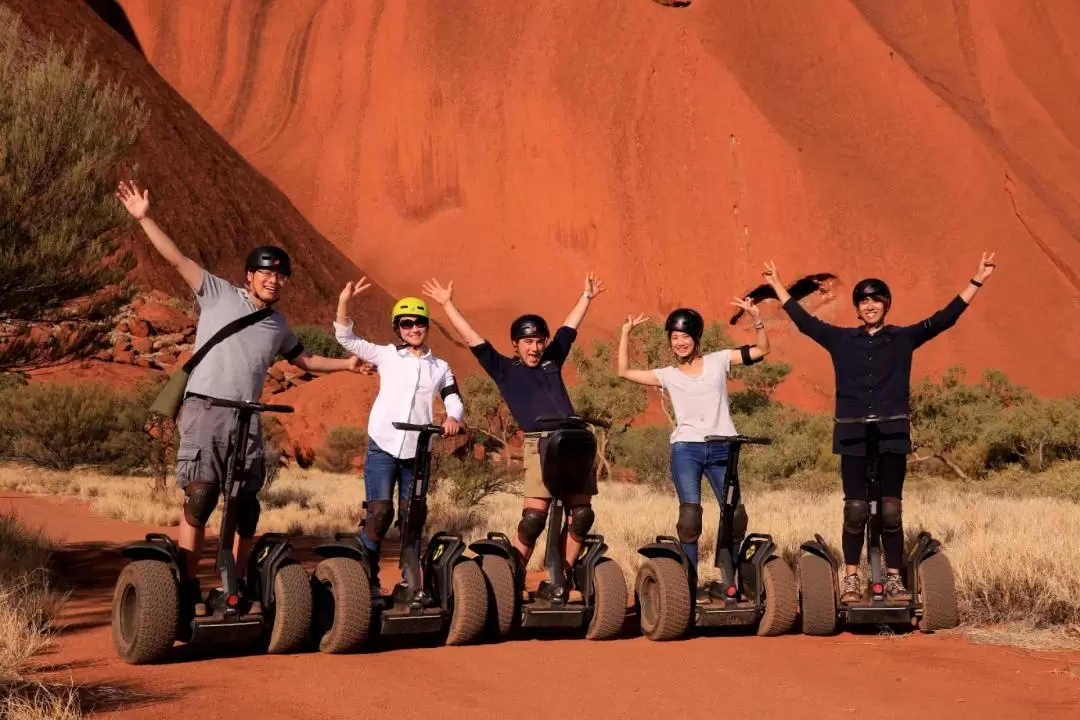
[
  {"x": 700, "y": 403},
  {"x": 235, "y": 369}
]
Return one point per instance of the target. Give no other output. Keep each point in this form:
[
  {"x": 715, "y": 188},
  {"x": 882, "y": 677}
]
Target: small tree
[
  {"x": 487, "y": 414},
  {"x": 63, "y": 131},
  {"x": 319, "y": 341},
  {"x": 602, "y": 394}
]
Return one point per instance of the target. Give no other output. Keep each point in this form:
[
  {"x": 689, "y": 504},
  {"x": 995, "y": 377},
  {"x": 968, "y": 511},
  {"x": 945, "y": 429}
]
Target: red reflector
[
  {"x": 730, "y": 591},
  {"x": 233, "y": 600},
  {"x": 878, "y": 589}
]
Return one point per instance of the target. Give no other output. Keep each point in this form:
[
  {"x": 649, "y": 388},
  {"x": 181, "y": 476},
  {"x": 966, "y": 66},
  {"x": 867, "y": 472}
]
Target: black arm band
[
  {"x": 296, "y": 352},
  {"x": 976, "y": 283},
  {"x": 744, "y": 350},
  {"x": 451, "y": 389}
]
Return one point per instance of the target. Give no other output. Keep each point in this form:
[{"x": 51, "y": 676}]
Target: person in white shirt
[
  {"x": 697, "y": 386},
  {"x": 409, "y": 377}
]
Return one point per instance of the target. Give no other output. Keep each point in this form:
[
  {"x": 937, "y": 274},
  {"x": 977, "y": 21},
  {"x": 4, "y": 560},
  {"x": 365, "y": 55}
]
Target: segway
[
  {"x": 928, "y": 573},
  {"x": 568, "y": 454},
  {"x": 150, "y": 611},
  {"x": 757, "y": 591},
  {"x": 445, "y": 592}
]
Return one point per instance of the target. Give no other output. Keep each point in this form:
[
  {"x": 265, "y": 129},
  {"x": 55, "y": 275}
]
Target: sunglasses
[{"x": 409, "y": 323}]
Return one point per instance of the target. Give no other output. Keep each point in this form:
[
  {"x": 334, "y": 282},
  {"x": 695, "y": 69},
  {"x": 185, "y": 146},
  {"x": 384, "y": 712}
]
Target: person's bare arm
[
  {"x": 760, "y": 348},
  {"x": 641, "y": 377},
  {"x": 138, "y": 206},
  {"x": 593, "y": 287},
  {"x": 444, "y": 296}
]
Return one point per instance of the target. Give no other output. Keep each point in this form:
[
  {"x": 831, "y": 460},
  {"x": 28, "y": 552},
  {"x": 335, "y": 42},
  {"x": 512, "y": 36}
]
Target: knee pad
[
  {"x": 380, "y": 518},
  {"x": 531, "y": 525},
  {"x": 581, "y": 521},
  {"x": 688, "y": 528},
  {"x": 248, "y": 509},
  {"x": 740, "y": 521},
  {"x": 891, "y": 514},
  {"x": 200, "y": 499},
  {"x": 856, "y": 513}
]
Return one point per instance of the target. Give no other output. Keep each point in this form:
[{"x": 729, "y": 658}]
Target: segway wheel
[
  {"x": 938, "y": 589},
  {"x": 292, "y": 610},
  {"x": 663, "y": 595},
  {"x": 609, "y": 603},
  {"x": 502, "y": 596},
  {"x": 341, "y": 595},
  {"x": 145, "y": 611},
  {"x": 817, "y": 584},
  {"x": 470, "y": 604},
  {"x": 781, "y": 598}
]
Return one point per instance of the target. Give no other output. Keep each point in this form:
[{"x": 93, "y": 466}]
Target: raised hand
[
  {"x": 352, "y": 289},
  {"x": 747, "y": 304},
  {"x": 135, "y": 203},
  {"x": 593, "y": 285},
  {"x": 986, "y": 267},
  {"x": 633, "y": 321},
  {"x": 771, "y": 276},
  {"x": 437, "y": 292}
]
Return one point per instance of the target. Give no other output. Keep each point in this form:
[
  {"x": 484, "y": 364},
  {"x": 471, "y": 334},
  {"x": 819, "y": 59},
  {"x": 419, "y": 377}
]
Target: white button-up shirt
[{"x": 407, "y": 387}]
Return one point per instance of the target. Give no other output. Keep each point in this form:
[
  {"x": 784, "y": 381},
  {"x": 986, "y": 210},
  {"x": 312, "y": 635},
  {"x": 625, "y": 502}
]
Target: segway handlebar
[
  {"x": 871, "y": 419},
  {"x": 436, "y": 429},
  {"x": 739, "y": 439},
  {"x": 544, "y": 419},
  {"x": 252, "y": 406}
]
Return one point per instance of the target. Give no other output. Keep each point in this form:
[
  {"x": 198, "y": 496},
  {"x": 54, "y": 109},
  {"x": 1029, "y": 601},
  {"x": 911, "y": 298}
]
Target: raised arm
[
  {"x": 593, "y": 287},
  {"x": 444, "y": 296},
  {"x": 343, "y": 325},
  {"x": 641, "y": 377},
  {"x": 945, "y": 318},
  {"x": 817, "y": 330},
  {"x": 138, "y": 206},
  {"x": 760, "y": 348}
]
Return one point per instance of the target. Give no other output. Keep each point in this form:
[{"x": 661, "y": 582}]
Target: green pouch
[{"x": 168, "y": 401}]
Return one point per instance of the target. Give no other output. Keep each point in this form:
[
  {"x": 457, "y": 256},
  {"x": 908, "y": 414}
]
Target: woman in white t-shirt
[{"x": 697, "y": 386}]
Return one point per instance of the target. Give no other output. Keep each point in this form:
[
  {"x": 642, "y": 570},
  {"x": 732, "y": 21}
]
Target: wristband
[
  {"x": 759, "y": 326},
  {"x": 976, "y": 283},
  {"x": 586, "y": 295}
]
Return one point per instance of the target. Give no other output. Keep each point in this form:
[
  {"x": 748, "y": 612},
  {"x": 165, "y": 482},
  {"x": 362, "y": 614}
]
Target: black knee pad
[
  {"x": 200, "y": 499},
  {"x": 248, "y": 509},
  {"x": 582, "y": 518},
  {"x": 531, "y": 525},
  {"x": 740, "y": 521},
  {"x": 856, "y": 513},
  {"x": 688, "y": 528},
  {"x": 382, "y": 517},
  {"x": 892, "y": 515}
]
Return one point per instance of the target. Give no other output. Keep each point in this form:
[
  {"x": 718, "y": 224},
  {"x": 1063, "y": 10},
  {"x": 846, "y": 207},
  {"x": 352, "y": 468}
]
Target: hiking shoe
[
  {"x": 894, "y": 588},
  {"x": 851, "y": 589}
]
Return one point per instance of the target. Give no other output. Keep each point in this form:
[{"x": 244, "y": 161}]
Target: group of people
[{"x": 872, "y": 364}]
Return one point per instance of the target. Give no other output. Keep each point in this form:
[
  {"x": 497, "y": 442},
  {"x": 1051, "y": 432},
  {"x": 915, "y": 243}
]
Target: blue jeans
[
  {"x": 381, "y": 471},
  {"x": 691, "y": 460}
]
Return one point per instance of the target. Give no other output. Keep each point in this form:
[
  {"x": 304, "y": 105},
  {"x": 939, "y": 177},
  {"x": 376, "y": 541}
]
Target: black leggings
[{"x": 892, "y": 467}]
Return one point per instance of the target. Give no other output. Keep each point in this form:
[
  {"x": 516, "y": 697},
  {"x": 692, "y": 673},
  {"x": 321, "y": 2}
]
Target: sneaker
[
  {"x": 851, "y": 589},
  {"x": 894, "y": 588},
  {"x": 256, "y": 608},
  {"x": 702, "y": 596}
]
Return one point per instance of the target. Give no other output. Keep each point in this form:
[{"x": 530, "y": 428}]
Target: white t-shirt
[{"x": 700, "y": 403}]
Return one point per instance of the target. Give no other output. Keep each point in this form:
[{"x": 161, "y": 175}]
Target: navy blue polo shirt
[
  {"x": 530, "y": 392},
  {"x": 873, "y": 372}
]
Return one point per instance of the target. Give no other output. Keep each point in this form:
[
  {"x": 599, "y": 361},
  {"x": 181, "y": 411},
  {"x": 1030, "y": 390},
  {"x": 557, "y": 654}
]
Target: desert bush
[
  {"x": 317, "y": 340},
  {"x": 468, "y": 481},
  {"x": 63, "y": 131},
  {"x": 647, "y": 451},
  {"x": 342, "y": 445},
  {"x": 802, "y": 443}
]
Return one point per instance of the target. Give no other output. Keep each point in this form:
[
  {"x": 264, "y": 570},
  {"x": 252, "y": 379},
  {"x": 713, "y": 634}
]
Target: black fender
[
  {"x": 924, "y": 547},
  {"x": 161, "y": 547},
  {"x": 757, "y": 549},
  {"x": 344, "y": 545},
  {"x": 592, "y": 552},
  {"x": 670, "y": 547},
  {"x": 270, "y": 553},
  {"x": 444, "y": 551},
  {"x": 818, "y": 547},
  {"x": 496, "y": 543}
]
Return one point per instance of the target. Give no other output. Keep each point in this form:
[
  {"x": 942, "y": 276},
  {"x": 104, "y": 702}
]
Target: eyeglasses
[
  {"x": 409, "y": 323},
  {"x": 272, "y": 273}
]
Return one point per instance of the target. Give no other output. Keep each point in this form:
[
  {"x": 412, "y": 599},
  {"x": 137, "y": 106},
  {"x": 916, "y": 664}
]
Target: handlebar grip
[
  {"x": 740, "y": 439},
  {"x": 411, "y": 427},
  {"x": 871, "y": 419}
]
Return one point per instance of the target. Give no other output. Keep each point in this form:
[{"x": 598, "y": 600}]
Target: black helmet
[
  {"x": 528, "y": 326},
  {"x": 870, "y": 287},
  {"x": 268, "y": 257},
  {"x": 685, "y": 320}
]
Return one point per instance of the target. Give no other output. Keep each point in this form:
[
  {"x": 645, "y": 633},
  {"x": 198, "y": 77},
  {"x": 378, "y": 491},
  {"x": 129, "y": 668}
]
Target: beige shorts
[{"x": 534, "y": 477}]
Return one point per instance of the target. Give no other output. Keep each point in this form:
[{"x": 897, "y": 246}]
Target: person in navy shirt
[
  {"x": 872, "y": 364},
  {"x": 532, "y": 385}
]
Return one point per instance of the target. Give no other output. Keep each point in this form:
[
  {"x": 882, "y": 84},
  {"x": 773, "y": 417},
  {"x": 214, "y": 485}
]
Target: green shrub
[
  {"x": 802, "y": 443},
  {"x": 646, "y": 451},
  {"x": 470, "y": 481},
  {"x": 343, "y": 444},
  {"x": 318, "y": 340}
]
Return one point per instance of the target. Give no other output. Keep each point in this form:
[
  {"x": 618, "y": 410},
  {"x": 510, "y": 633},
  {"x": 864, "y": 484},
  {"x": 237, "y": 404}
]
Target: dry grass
[{"x": 1013, "y": 547}]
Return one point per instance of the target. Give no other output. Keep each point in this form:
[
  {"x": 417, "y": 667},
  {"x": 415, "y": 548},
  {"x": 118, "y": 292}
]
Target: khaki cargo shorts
[
  {"x": 534, "y": 477},
  {"x": 206, "y": 434}
]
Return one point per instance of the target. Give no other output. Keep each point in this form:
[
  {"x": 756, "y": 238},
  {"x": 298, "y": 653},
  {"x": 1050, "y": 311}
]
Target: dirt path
[{"x": 799, "y": 677}]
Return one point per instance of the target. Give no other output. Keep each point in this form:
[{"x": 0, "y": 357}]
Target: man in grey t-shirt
[{"x": 235, "y": 369}]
